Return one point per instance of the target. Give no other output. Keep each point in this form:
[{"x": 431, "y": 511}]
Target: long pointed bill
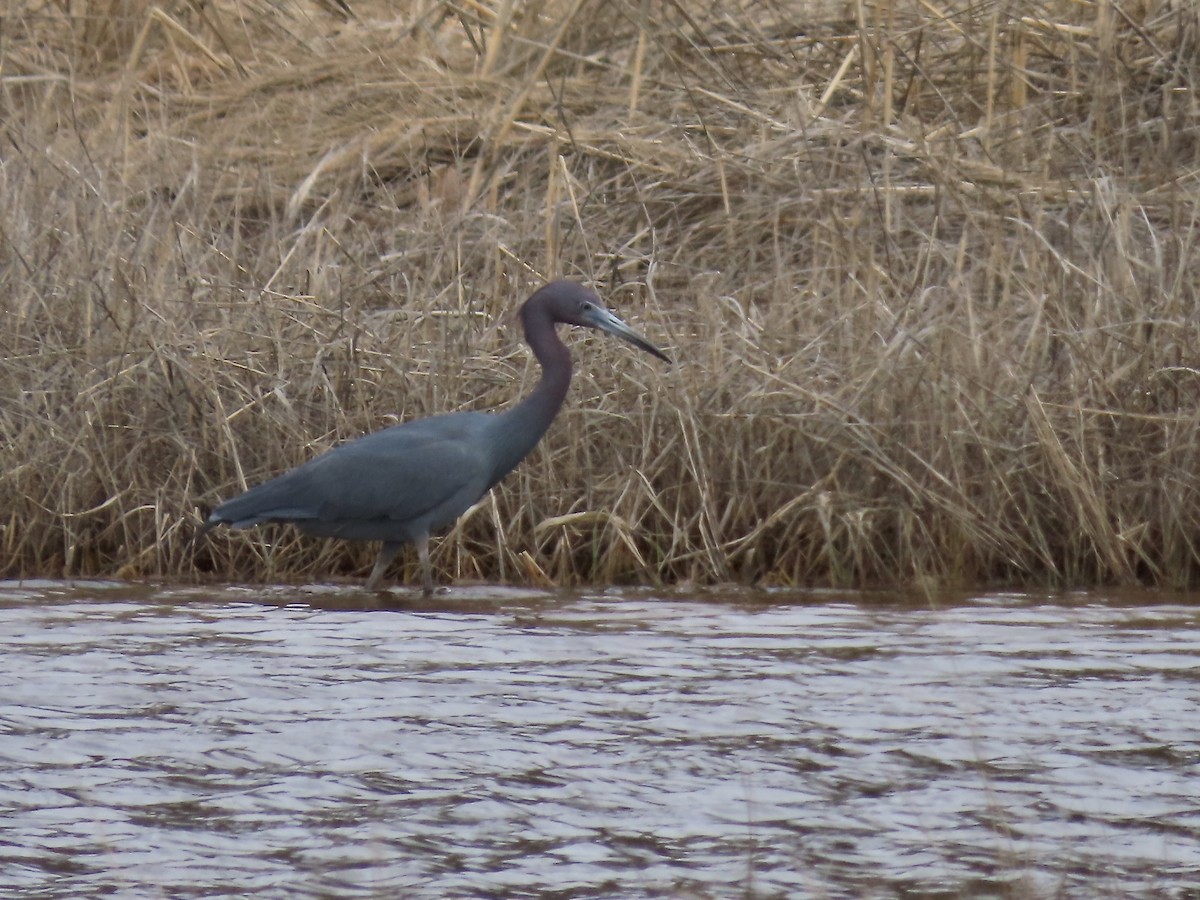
[{"x": 600, "y": 318}]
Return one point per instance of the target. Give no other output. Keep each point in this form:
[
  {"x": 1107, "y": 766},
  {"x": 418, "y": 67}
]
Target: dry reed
[{"x": 925, "y": 268}]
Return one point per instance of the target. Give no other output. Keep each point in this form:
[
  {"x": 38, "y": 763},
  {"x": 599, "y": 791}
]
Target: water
[{"x": 199, "y": 742}]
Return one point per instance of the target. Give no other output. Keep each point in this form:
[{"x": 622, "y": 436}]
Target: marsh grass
[{"x": 928, "y": 271}]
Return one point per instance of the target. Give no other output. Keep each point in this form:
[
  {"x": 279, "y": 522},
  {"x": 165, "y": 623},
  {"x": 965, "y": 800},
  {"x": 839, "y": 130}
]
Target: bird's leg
[
  {"x": 426, "y": 568},
  {"x": 386, "y": 554}
]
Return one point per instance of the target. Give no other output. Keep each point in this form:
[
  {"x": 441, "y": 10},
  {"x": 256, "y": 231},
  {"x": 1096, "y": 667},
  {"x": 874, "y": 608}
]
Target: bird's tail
[{"x": 205, "y": 527}]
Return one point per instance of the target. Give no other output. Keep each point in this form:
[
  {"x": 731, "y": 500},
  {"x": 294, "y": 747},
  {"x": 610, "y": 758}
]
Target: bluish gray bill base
[{"x": 402, "y": 483}]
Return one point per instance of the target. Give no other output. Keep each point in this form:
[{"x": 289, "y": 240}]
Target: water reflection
[{"x": 188, "y": 742}]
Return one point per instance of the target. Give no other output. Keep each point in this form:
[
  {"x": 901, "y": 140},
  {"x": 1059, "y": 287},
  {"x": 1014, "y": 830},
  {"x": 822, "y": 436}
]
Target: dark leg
[
  {"x": 426, "y": 569},
  {"x": 386, "y": 554}
]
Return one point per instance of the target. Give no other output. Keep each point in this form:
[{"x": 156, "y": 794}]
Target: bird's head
[{"x": 574, "y": 304}]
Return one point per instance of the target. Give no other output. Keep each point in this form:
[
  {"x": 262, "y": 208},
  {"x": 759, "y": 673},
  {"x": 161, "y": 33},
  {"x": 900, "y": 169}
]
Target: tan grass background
[{"x": 928, "y": 269}]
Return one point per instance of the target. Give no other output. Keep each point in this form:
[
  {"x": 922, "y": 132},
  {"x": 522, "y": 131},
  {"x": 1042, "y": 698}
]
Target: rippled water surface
[{"x": 289, "y": 743}]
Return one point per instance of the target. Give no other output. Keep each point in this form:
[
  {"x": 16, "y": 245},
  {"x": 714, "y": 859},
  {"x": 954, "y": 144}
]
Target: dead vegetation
[{"x": 928, "y": 269}]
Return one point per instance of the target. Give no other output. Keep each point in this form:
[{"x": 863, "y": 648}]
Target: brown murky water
[{"x": 292, "y": 743}]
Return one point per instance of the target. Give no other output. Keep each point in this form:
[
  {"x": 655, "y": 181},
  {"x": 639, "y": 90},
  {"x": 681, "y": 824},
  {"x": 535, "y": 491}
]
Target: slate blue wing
[{"x": 393, "y": 484}]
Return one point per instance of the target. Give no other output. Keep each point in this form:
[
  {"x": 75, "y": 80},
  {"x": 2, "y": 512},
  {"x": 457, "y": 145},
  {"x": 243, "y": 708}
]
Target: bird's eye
[{"x": 586, "y": 306}]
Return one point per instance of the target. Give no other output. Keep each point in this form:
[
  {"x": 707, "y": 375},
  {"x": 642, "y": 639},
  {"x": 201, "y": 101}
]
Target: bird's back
[{"x": 394, "y": 484}]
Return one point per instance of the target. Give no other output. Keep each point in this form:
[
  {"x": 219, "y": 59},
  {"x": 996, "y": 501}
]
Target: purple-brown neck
[
  {"x": 547, "y": 398},
  {"x": 522, "y": 426}
]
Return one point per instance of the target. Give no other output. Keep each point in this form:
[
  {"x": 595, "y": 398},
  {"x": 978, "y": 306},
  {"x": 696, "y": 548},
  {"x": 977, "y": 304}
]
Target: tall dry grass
[{"x": 929, "y": 270}]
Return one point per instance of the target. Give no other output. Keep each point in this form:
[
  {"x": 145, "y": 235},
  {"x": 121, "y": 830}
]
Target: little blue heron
[{"x": 399, "y": 484}]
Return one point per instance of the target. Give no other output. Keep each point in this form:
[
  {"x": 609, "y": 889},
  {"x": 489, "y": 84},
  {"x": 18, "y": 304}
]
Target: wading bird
[{"x": 399, "y": 484}]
